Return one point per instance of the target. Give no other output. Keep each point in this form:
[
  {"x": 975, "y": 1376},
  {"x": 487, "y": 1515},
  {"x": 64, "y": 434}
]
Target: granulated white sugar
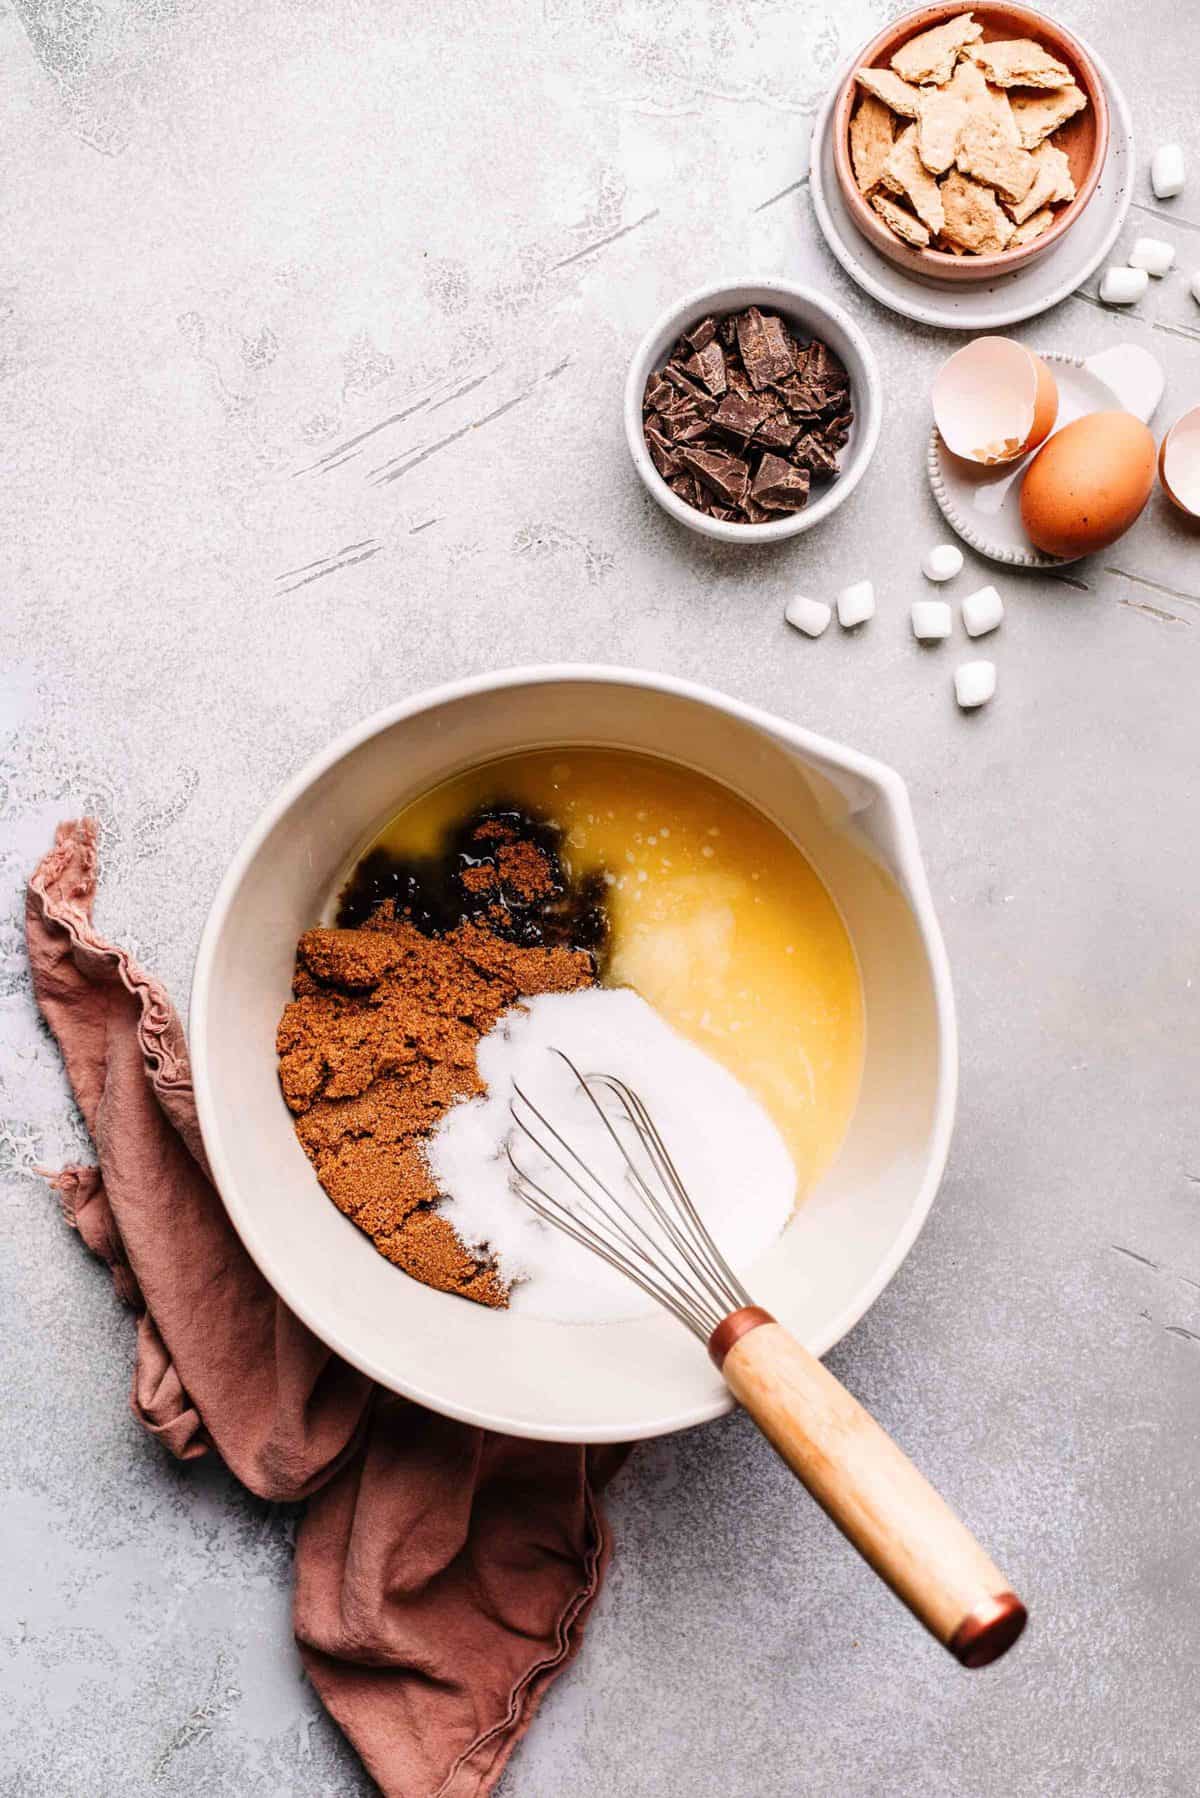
[{"x": 731, "y": 1158}]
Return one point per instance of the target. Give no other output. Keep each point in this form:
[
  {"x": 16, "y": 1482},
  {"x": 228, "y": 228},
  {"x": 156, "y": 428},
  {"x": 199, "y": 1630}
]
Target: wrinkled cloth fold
[{"x": 443, "y": 1574}]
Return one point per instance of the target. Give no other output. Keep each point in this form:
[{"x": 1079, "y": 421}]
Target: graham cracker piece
[
  {"x": 909, "y": 175},
  {"x": 968, "y": 83},
  {"x": 1032, "y": 227},
  {"x": 943, "y": 116},
  {"x": 931, "y": 56},
  {"x": 973, "y": 217},
  {"x": 1052, "y": 182},
  {"x": 910, "y": 229},
  {"x": 1019, "y": 62},
  {"x": 984, "y": 152},
  {"x": 1037, "y": 115},
  {"x": 887, "y": 86},
  {"x": 872, "y": 134}
]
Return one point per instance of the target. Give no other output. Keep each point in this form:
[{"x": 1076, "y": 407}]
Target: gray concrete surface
[{"x": 237, "y": 237}]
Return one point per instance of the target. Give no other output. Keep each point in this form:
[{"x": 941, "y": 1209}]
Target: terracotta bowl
[{"x": 1083, "y": 139}]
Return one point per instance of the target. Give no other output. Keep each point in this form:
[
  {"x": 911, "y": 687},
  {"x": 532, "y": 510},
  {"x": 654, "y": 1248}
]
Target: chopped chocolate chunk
[
  {"x": 744, "y": 415},
  {"x": 661, "y": 453},
  {"x": 708, "y": 366},
  {"x": 813, "y": 453},
  {"x": 725, "y": 475},
  {"x": 738, "y": 381},
  {"x": 765, "y": 350},
  {"x": 828, "y": 371},
  {"x": 778, "y": 486},
  {"x": 777, "y": 432},
  {"x": 820, "y": 382},
  {"x": 780, "y": 343},
  {"x": 658, "y": 394},
  {"x": 687, "y": 388},
  {"x": 834, "y": 382},
  {"x": 801, "y": 396},
  {"x": 689, "y": 429},
  {"x": 739, "y": 417}
]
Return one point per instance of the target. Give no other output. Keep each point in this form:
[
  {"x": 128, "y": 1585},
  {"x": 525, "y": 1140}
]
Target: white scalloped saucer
[{"x": 983, "y": 504}]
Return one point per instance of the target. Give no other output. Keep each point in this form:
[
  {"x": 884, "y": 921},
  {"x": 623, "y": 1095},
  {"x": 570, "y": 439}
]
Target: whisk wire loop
[
  {"x": 661, "y": 1244},
  {"x": 711, "y": 1272},
  {"x": 588, "y": 1214},
  {"x": 728, "y": 1286},
  {"x": 561, "y": 1218}
]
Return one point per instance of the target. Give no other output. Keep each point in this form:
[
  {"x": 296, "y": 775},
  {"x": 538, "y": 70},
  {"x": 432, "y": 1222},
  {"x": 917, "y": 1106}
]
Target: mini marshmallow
[
  {"x": 974, "y": 683},
  {"x": 931, "y": 620},
  {"x": 1122, "y": 286},
  {"x": 942, "y": 562},
  {"x": 1166, "y": 171},
  {"x": 982, "y": 612},
  {"x": 855, "y": 604},
  {"x": 808, "y": 615},
  {"x": 1152, "y": 254}
]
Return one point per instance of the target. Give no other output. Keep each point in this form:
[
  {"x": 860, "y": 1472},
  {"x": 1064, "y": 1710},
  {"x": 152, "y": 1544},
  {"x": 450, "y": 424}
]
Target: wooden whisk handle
[{"x": 870, "y": 1488}]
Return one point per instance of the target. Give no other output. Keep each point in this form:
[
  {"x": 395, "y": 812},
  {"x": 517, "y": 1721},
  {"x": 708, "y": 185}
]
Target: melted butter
[{"x": 718, "y": 921}]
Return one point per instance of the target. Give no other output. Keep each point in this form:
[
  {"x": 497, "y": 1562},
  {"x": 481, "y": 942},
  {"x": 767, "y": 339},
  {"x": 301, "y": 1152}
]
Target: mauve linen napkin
[{"x": 443, "y": 1574}]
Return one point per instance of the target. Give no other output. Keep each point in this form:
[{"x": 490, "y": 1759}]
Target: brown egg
[{"x": 1085, "y": 487}]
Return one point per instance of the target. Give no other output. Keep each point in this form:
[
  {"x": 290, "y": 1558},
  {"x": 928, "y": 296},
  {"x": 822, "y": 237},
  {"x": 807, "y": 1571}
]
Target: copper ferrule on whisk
[
  {"x": 731, "y": 1329},
  {"x": 989, "y": 1631}
]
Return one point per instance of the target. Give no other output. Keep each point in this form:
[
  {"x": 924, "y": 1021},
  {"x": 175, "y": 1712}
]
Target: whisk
[{"x": 653, "y": 1233}]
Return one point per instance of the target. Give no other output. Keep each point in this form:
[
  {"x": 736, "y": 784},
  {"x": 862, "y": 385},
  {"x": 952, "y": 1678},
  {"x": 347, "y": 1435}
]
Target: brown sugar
[{"x": 380, "y": 1040}]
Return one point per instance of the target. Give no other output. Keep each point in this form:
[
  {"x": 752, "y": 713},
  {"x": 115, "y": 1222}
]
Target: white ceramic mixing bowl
[{"x": 528, "y": 1376}]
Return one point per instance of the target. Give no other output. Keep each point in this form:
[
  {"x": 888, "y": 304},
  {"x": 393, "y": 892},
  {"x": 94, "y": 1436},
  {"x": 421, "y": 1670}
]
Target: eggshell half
[
  {"x": 1179, "y": 463},
  {"x": 1086, "y": 486},
  {"x": 994, "y": 400},
  {"x": 1045, "y": 405}
]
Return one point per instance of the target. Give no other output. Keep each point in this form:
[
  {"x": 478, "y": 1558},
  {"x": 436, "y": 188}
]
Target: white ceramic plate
[
  {"x": 983, "y": 504},
  {"x": 1009, "y": 298}
]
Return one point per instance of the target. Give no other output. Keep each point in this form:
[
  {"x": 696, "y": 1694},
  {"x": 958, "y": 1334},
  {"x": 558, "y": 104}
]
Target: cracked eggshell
[
  {"x": 994, "y": 400},
  {"x": 1086, "y": 486},
  {"x": 1179, "y": 463}
]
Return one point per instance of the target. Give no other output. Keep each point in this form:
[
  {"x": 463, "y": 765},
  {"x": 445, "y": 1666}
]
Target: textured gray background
[{"x": 238, "y": 237}]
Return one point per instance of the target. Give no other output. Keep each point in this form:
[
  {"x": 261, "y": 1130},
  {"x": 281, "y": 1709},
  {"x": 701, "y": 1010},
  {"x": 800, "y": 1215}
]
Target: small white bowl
[
  {"x": 813, "y": 316},
  {"x": 528, "y": 1376}
]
